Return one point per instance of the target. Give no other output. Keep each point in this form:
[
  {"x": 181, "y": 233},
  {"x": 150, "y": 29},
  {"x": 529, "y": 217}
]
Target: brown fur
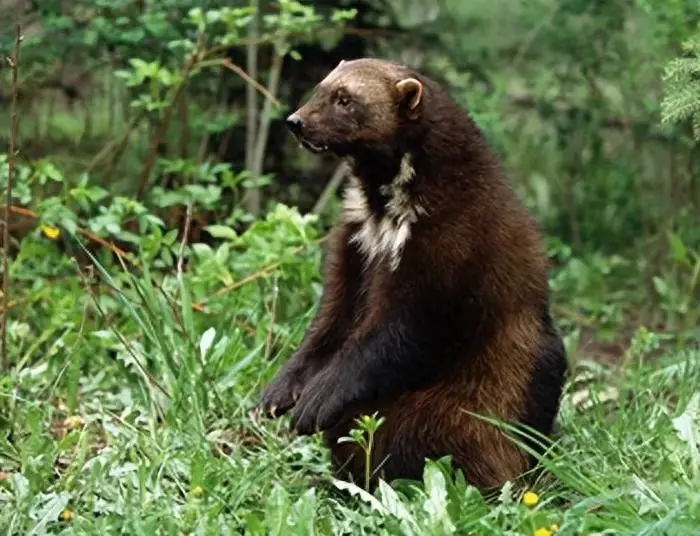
[{"x": 457, "y": 321}]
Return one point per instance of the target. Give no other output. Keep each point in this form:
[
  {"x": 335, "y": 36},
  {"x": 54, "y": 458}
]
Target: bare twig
[
  {"x": 265, "y": 270},
  {"x": 106, "y": 244},
  {"x": 14, "y": 127},
  {"x": 83, "y": 232},
  {"x": 159, "y": 134},
  {"x": 245, "y": 76}
]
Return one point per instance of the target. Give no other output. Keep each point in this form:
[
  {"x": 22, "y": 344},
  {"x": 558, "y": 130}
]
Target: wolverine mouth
[{"x": 311, "y": 146}]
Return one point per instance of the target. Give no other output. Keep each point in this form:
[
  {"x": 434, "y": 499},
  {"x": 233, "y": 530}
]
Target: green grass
[{"x": 133, "y": 413}]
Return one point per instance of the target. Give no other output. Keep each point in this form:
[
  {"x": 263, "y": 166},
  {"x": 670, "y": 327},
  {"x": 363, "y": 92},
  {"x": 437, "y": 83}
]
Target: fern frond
[{"x": 681, "y": 101}]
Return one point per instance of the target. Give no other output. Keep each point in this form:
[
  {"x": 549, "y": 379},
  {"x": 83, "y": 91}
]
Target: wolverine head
[{"x": 360, "y": 105}]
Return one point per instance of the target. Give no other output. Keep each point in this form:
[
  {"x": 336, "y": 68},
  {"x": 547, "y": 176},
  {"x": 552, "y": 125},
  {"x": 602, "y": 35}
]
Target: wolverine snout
[{"x": 294, "y": 123}]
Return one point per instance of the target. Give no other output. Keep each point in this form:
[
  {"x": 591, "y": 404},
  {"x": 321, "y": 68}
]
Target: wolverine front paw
[
  {"x": 320, "y": 406},
  {"x": 277, "y": 399},
  {"x": 281, "y": 395}
]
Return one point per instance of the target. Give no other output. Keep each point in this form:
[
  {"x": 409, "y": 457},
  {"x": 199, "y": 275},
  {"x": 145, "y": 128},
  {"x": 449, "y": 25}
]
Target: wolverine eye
[{"x": 343, "y": 100}]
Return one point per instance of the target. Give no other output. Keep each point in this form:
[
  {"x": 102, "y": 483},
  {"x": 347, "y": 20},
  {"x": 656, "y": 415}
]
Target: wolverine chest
[{"x": 384, "y": 235}]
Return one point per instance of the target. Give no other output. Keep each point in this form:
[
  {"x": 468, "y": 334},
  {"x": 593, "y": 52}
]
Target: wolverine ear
[{"x": 410, "y": 92}]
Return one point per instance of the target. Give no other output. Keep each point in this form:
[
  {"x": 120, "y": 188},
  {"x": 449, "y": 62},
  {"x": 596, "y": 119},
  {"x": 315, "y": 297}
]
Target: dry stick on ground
[
  {"x": 14, "y": 127},
  {"x": 158, "y": 136}
]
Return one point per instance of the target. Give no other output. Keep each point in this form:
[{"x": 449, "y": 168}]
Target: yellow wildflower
[
  {"x": 76, "y": 421},
  {"x": 51, "y": 232},
  {"x": 530, "y": 498},
  {"x": 543, "y": 532},
  {"x": 554, "y": 527},
  {"x": 197, "y": 491},
  {"x": 66, "y": 515}
]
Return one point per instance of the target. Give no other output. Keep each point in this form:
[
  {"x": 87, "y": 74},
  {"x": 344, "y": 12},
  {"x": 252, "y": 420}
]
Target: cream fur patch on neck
[{"x": 385, "y": 237}]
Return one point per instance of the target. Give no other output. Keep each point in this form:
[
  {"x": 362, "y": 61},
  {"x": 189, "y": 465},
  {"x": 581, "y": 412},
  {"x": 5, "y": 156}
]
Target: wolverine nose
[{"x": 294, "y": 123}]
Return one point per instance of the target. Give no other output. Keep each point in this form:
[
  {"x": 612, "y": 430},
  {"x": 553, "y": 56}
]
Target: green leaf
[
  {"x": 221, "y": 231},
  {"x": 277, "y": 511},
  {"x": 354, "y": 489},
  {"x": 680, "y": 252},
  {"x": 50, "y": 511},
  {"x": 392, "y": 502},
  {"x": 687, "y": 426},
  {"x": 436, "y": 502},
  {"x": 206, "y": 341}
]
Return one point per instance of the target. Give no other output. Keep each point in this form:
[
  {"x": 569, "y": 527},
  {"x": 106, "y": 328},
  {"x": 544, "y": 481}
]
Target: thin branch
[
  {"x": 254, "y": 197},
  {"x": 83, "y": 232},
  {"x": 265, "y": 270},
  {"x": 14, "y": 128},
  {"x": 106, "y": 244},
  {"x": 245, "y": 76},
  {"x": 251, "y": 95}
]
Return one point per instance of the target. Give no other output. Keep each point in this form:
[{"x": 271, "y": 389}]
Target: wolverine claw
[{"x": 301, "y": 423}]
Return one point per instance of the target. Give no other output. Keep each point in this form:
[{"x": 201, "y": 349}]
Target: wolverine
[{"x": 435, "y": 303}]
